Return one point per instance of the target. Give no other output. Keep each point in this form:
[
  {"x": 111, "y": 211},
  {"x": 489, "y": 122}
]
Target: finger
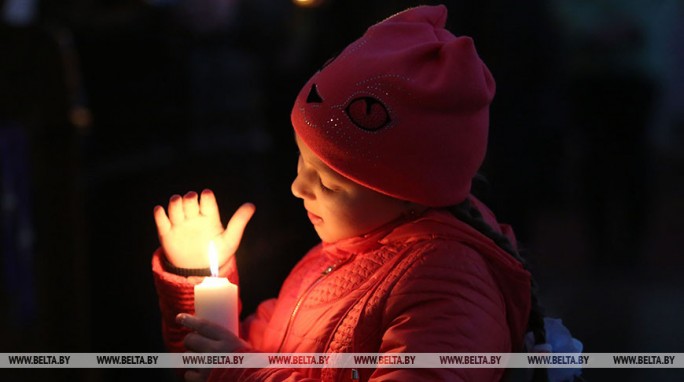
[
  {"x": 206, "y": 328},
  {"x": 176, "y": 214},
  {"x": 208, "y": 206},
  {"x": 200, "y": 344},
  {"x": 190, "y": 206},
  {"x": 161, "y": 220},
  {"x": 236, "y": 226}
]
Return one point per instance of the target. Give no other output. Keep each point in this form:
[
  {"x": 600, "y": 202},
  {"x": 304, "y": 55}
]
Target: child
[{"x": 390, "y": 132}]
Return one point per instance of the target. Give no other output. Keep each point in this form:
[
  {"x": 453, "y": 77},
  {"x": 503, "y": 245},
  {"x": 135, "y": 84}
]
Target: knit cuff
[{"x": 184, "y": 271}]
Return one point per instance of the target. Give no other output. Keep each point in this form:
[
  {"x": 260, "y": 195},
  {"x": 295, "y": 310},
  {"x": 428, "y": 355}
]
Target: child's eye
[{"x": 323, "y": 187}]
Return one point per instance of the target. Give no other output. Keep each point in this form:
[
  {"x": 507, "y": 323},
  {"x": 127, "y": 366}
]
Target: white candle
[{"x": 216, "y": 298}]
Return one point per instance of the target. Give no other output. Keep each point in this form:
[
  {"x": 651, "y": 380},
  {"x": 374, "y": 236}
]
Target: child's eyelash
[{"x": 323, "y": 187}]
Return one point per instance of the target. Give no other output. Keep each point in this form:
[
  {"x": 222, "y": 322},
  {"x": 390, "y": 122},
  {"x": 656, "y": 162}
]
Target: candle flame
[{"x": 213, "y": 259}]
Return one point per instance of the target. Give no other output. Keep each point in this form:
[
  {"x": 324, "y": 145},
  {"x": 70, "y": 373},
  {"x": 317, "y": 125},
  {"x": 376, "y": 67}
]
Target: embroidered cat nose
[{"x": 313, "y": 96}]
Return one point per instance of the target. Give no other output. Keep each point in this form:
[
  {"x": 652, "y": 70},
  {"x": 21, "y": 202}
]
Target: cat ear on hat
[{"x": 463, "y": 66}]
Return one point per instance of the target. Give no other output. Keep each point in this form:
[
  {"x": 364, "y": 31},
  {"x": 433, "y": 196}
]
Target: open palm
[{"x": 191, "y": 224}]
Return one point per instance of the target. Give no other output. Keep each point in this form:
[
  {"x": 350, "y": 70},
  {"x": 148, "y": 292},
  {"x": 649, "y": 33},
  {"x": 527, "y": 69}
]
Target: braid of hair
[{"x": 470, "y": 215}]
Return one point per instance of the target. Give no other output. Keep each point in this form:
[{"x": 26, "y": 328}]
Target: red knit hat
[{"x": 404, "y": 110}]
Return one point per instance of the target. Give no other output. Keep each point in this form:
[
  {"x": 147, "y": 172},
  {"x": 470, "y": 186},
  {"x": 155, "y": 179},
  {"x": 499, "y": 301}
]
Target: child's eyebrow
[{"x": 333, "y": 175}]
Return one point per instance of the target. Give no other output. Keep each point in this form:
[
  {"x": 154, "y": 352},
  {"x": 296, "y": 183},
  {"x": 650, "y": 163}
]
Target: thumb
[{"x": 236, "y": 226}]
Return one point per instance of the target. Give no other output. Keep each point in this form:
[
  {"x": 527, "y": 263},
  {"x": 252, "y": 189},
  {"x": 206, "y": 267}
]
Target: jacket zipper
[{"x": 300, "y": 300}]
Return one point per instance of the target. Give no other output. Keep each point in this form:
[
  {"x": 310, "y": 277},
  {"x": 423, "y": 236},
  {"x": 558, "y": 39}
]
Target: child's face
[{"x": 338, "y": 207}]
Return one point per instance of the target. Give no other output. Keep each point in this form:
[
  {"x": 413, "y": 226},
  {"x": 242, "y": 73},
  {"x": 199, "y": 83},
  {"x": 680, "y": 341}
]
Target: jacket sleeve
[
  {"x": 446, "y": 302},
  {"x": 177, "y": 295}
]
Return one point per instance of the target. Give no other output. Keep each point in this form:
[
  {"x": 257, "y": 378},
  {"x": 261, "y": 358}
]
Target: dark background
[{"x": 108, "y": 107}]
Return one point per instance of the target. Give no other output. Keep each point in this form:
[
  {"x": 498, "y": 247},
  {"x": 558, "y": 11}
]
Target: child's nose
[{"x": 300, "y": 187}]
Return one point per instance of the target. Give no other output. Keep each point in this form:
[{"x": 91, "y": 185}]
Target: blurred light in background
[
  {"x": 19, "y": 12},
  {"x": 308, "y": 3}
]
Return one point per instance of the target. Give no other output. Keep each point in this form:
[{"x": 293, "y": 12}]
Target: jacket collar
[
  {"x": 430, "y": 224},
  {"x": 345, "y": 248}
]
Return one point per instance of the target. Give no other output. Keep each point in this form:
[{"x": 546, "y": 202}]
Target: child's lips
[{"x": 315, "y": 219}]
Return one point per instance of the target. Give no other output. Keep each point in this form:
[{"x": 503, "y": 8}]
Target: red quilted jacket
[{"x": 430, "y": 285}]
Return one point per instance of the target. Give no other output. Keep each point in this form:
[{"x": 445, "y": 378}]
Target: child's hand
[
  {"x": 207, "y": 337},
  {"x": 190, "y": 225}
]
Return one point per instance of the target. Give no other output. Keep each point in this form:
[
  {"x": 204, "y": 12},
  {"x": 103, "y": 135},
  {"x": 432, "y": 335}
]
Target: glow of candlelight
[{"x": 213, "y": 259}]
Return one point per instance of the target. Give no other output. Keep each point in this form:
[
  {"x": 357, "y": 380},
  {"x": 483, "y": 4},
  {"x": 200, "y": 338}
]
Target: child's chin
[
  {"x": 325, "y": 236},
  {"x": 321, "y": 235}
]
